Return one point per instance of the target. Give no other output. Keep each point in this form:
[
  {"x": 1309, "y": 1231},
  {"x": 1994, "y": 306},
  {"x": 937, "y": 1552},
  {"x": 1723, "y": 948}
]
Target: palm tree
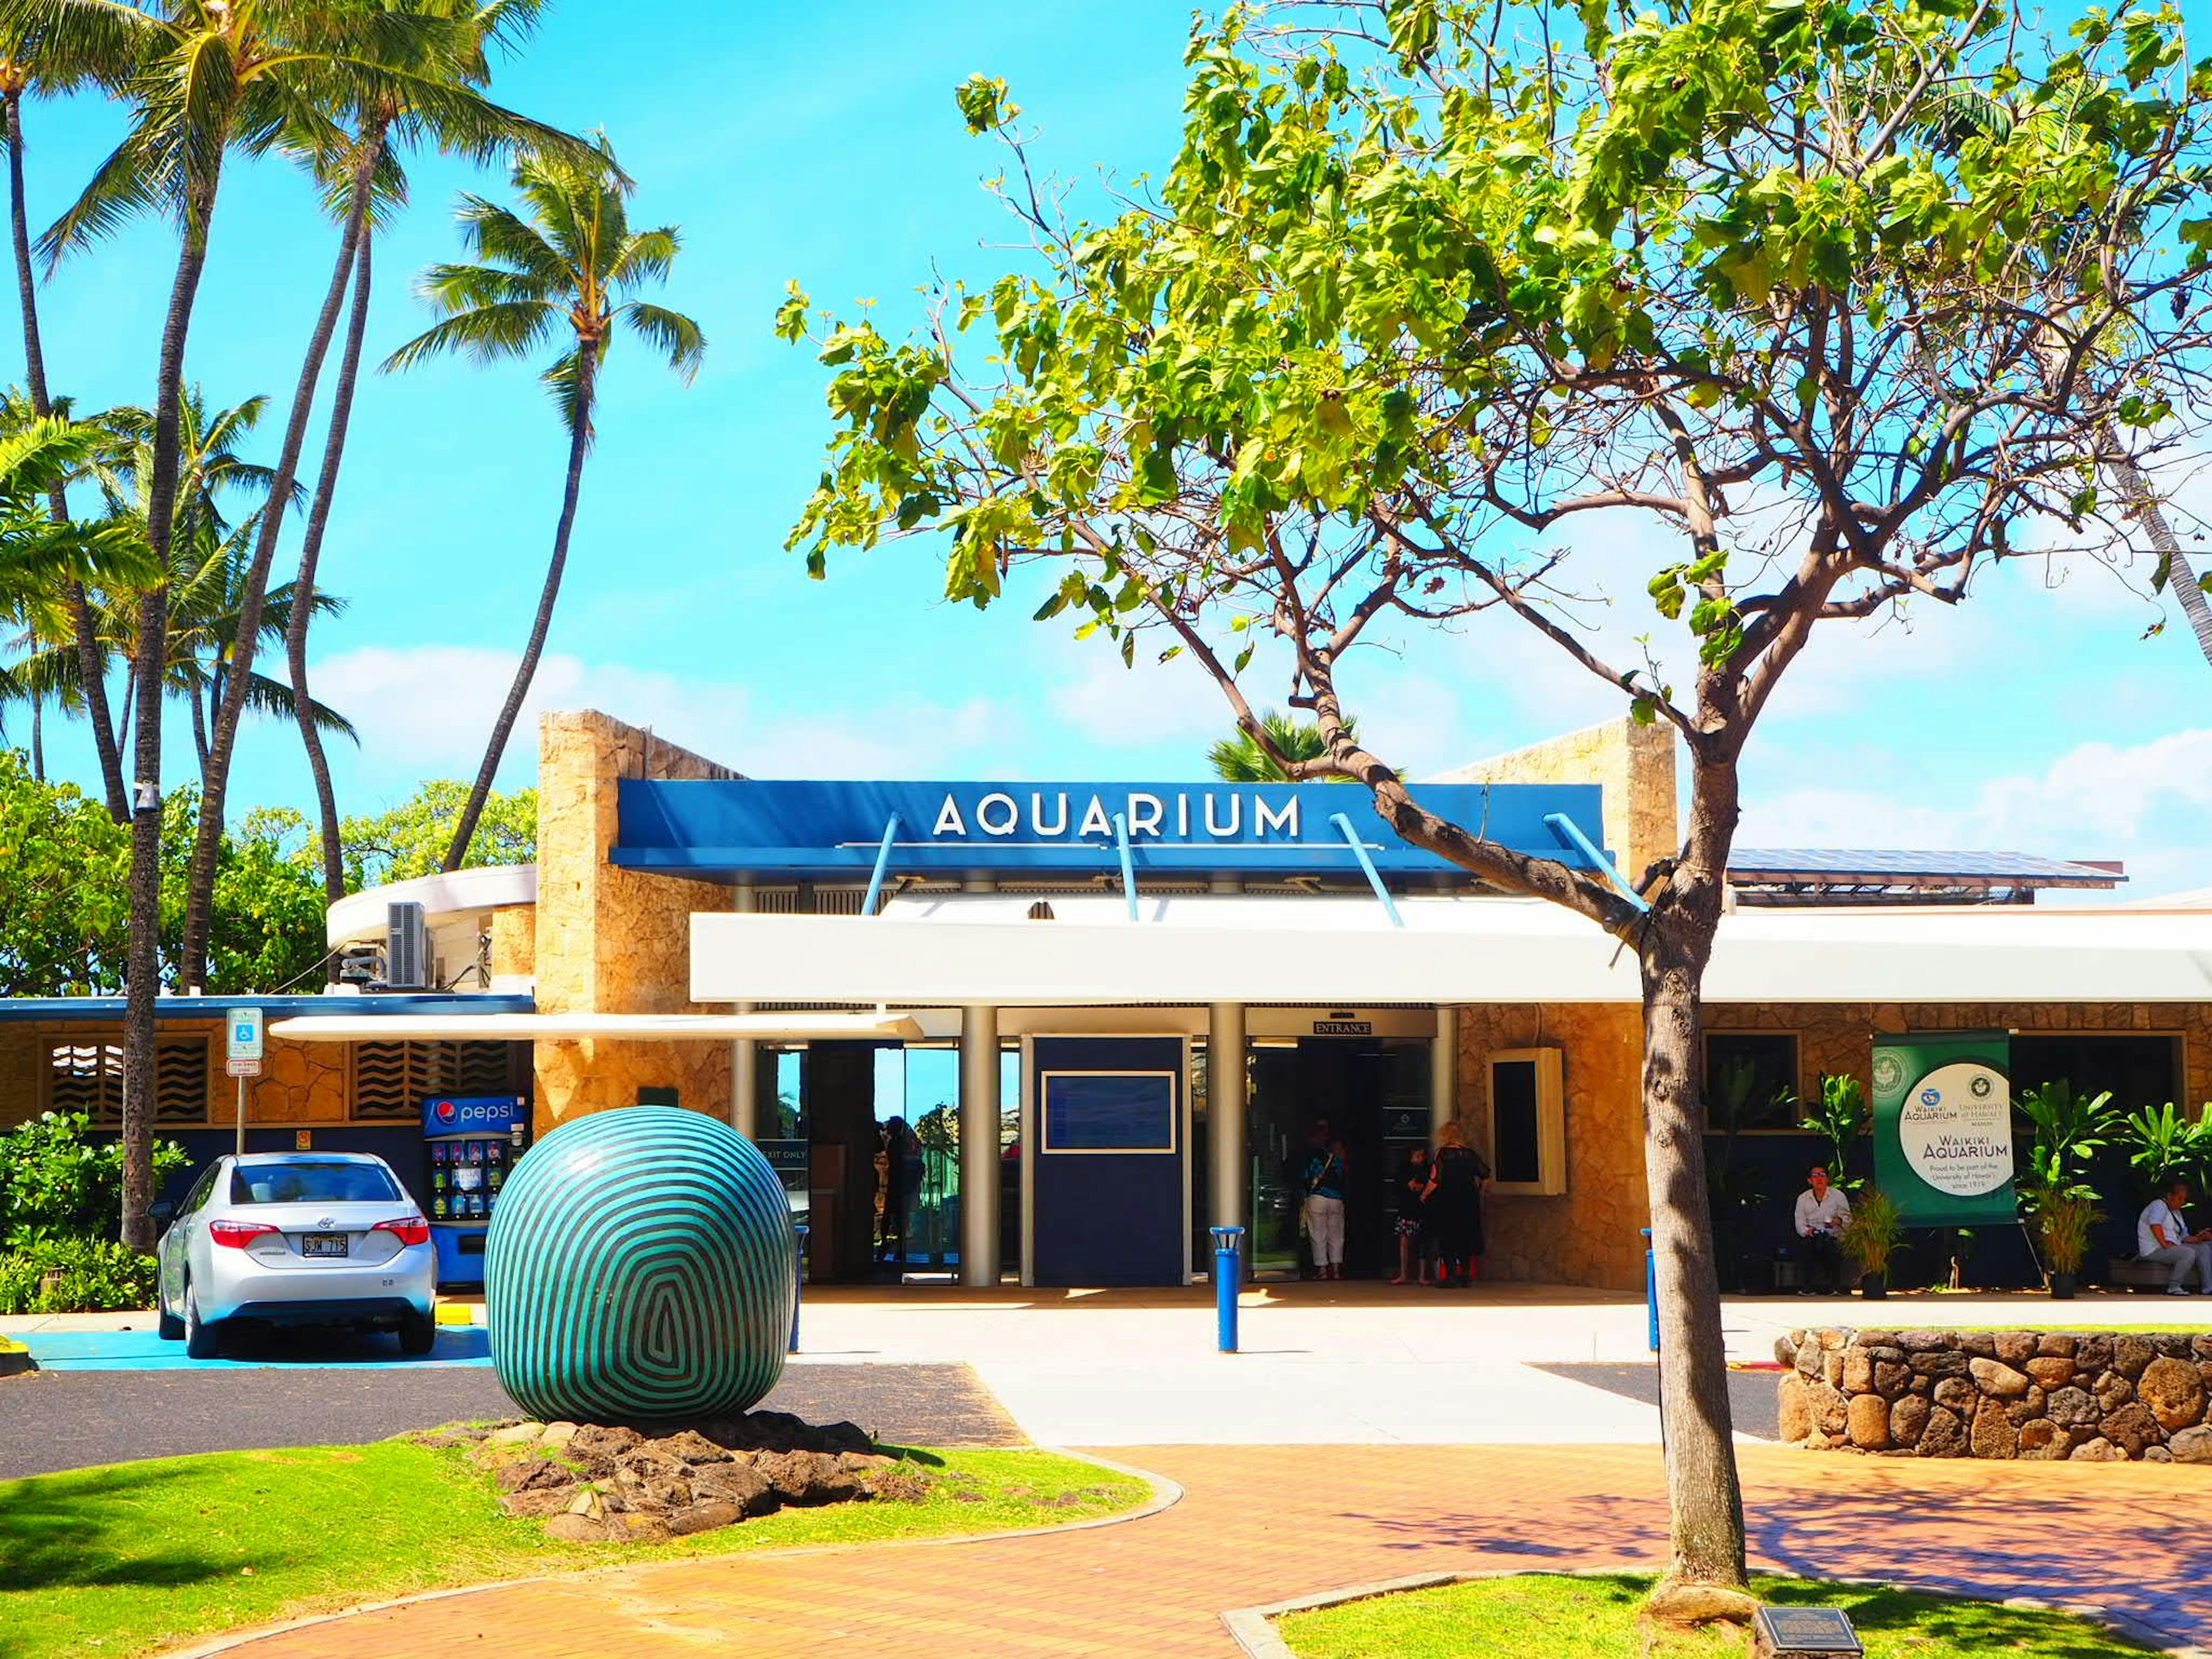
[
  {"x": 353, "y": 131},
  {"x": 570, "y": 266},
  {"x": 33, "y": 61},
  {"x": 210, "y": 76},
  {"x": 371, "y": 164},
  {"x": 1242, "y": 759}
]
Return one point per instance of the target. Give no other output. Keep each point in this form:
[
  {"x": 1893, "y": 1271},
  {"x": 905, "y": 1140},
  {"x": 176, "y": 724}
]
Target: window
[
  {"x": 1529, "y": 1122},
  {"x": 1108, "y": 1112},
  {"x": 299, "y": 1182},
  {"x": 1751, "y": 1081},
  {"x": 390, "y": 1081},
  {"x": 87, "y": 1076}
]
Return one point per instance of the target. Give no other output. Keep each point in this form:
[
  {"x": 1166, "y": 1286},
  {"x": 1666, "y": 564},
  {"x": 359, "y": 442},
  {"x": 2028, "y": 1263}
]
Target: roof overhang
[
  {"x": 629, "y": 1028},
  {"x": 1199, "y": 949}
]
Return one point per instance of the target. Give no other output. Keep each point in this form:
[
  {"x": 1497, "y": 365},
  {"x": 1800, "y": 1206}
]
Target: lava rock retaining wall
[{"x": 2086, "y": 1397}]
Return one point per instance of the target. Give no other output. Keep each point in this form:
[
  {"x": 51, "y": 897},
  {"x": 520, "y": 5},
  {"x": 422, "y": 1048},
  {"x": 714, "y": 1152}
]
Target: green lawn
[
  {"x": 129, "y": 1557},
  {"x": 1596, "y": 1617}
]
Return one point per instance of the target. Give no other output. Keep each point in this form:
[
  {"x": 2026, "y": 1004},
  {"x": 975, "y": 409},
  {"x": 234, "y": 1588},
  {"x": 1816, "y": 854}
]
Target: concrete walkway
[{"x": 1259, "y": 1526}]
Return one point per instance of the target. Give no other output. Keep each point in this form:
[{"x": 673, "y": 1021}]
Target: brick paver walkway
[{"x": 1263, "y": 1524}]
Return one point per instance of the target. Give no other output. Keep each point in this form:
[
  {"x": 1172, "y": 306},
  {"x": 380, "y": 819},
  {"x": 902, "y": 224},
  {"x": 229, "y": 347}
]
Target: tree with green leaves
[
  {"x": 1433, "y": 288},
  {"x": 411, "y": 839},
  {"x": 1242, "y": 759},
  {"x": 567, "y": 273}
]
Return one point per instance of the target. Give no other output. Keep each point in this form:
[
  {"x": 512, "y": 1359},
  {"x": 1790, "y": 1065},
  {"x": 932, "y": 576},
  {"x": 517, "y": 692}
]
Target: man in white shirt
[
  {"x": 1821, "y": 1211},
  {"x": 2162, "y": 1235}
]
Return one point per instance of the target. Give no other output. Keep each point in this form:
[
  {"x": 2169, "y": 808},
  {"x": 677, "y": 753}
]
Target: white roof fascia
[{"x": 633, "y": 1028}]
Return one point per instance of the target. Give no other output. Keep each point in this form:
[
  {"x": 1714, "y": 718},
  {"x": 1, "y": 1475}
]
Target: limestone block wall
[
  {"x": 1592, "y": 1233},
  {"x": 514, "y": 941},
  {"x": 302, "y": 1083},
  {"x": 2084, "y": 1397},
  {"x": 610, "y": 940},
  {"x": 1836, "y": 1038},
  {"x": 1633, "y": 764},
  {"x": 20, "y": 1058}
]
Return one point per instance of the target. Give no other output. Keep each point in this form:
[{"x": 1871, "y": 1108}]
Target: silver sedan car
[{"x": 296, "y": 1238}]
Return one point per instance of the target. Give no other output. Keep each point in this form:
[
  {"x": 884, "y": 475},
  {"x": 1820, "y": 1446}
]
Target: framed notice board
[{"x": 1108, "y": 1112}]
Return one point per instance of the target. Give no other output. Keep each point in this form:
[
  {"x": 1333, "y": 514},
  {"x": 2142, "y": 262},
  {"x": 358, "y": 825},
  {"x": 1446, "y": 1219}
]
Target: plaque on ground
[{"x": 1789, "y": 1632}]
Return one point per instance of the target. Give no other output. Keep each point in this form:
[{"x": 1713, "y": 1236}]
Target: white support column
[
  {"x": 1229, "y": 1204},
  {"x": 979, "y": 1147},
  {"x": 1443, "y": 1069},
  {"x": 745, "y": 1052}
]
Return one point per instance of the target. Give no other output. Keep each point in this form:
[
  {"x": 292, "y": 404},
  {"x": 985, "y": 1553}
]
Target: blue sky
[{"x": 820, "y": 142}]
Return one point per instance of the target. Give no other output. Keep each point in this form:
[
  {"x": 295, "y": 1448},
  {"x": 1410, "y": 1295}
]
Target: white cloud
[
  {"x": 427, "y": 710},
  {"x": 2145, "y": 803}
]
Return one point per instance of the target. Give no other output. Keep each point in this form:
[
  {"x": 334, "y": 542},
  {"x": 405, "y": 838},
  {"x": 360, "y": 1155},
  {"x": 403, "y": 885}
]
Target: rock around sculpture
[{"x": 640, "y": 1267}]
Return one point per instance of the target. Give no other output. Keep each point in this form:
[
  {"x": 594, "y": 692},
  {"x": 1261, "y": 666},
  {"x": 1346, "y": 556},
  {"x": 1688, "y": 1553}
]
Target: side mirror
[{"x": 161, "y": 1212}]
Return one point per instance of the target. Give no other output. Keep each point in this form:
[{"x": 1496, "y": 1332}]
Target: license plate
[{"x": 322, "y": 1243}]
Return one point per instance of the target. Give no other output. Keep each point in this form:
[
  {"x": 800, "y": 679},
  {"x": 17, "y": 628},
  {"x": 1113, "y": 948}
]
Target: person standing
[
  {"x": 1414, "y": 1241},
  {"x": 2162, "y": 1235},
  {"x": 1324, "y": 1201},
  {"x": 1822, "y": 1210},
  {"x": 1454, "y": 1200}
]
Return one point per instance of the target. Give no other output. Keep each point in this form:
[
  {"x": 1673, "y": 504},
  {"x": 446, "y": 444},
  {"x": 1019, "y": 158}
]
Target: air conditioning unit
[{"x": 406, "y": 947}]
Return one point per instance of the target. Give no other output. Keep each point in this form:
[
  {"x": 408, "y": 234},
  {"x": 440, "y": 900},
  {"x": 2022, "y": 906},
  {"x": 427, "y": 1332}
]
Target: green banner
[{"x": 1943, "y": 1126}]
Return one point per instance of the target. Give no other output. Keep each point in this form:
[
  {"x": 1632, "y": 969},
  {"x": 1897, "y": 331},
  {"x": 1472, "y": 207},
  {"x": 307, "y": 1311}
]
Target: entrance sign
[
  {"x": 1942, "y": 1127},
  {"x": 242, "y": 1042},
  {"x": 814, "y": 829},
  {"x": 1359, "y": 1028}
]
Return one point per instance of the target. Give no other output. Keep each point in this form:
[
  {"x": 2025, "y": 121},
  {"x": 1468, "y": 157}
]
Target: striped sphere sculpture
[{"x": 640, "y": 1267}]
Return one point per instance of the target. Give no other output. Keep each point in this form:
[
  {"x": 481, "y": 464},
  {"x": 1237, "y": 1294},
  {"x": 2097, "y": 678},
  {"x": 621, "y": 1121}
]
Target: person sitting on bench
[
  {"x": 2162, "y": 1235},
  {"x": 1821, "y": 1211}
]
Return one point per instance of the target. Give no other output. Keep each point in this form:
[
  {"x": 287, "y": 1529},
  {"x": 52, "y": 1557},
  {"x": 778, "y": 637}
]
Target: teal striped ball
[{"x": 640, "y": 1267}]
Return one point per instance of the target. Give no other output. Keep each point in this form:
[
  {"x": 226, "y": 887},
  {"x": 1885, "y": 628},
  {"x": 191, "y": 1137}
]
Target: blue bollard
[
  {"x": 1228, "y": 1269},
  {"x": 798, "y": 1280},
  {"x": 1651, "y": 1290}
]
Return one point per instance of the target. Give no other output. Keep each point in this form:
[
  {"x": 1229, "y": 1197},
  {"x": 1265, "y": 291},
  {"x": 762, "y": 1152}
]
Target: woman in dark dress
[{"x": 1454, "y": 1198}]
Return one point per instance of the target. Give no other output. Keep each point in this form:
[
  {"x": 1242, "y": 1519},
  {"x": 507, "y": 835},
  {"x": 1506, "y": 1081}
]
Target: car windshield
[{"x": 311, "y": 1183}]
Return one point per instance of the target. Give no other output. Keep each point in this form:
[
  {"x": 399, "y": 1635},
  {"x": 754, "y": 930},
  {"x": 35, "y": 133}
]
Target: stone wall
[
  {"x": 1633, "y": 764},
  {"x": 514, "y": 941},
  {"x": 610, "y": 940},
  {"x": 1838, "y": 1038},
  {"x": 2083, "y": 1396},
  {"x": 301, "y": 1083},
  {"x": 1591, "y": 1234}
]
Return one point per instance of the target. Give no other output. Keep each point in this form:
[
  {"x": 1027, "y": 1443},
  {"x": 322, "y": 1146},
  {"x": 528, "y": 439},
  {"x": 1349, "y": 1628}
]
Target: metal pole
[
  {"x": 1228, "y": 1270},
  {"x": 1228, "y": 1114},
  {"x": 745, "y": 1052},
  {"x": 241, "y": 1117},
  {"x": 882, "y": 863},
  {"x": 1128, "y": 868},
  {"x": 1568, "y": 830},
  {"x": 1651, "y": 1290},
  {"x": 798, "y": 1279},
  {"x": 1373, "y": 876}
]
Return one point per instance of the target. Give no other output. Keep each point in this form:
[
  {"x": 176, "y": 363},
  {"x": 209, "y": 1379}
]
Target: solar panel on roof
[{"x": 1843, "y": 863}]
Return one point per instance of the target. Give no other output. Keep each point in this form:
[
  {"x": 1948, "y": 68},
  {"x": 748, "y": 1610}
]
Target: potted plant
[
  {"x": 1840, "y": 1118},
  {"x": 2163, "y": 1143},
  {"x": 1873, "y": 1233},
  {"x": 2064, "y": 1219}
]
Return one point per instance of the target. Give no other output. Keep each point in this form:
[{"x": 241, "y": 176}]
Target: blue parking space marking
[{"x": 144, "y": 1351}]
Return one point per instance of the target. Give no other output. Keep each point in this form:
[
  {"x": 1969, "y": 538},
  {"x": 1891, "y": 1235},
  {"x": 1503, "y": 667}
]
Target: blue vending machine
[{"x": 473, "y": 1141}]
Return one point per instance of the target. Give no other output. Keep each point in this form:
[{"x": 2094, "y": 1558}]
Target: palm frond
[
  {"x": 486, "y": 334},
  {"x": 672, "y": 334}
]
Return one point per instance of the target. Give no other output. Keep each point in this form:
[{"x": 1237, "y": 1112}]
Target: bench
[{"x": 2125, "y": 1273}]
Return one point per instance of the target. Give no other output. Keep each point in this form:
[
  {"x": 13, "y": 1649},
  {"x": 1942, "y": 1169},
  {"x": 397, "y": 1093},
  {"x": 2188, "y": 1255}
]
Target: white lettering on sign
[
  {"x": 1145, "y": 813},
  {"x": 949, "y": 821},
  {"x": 1058, "y": 825},
  {"x": 1038, "y": 815},
  {"x": 1284, "y": 817},
  {"x": 1955, "y": 1129},
  {"x": 1094, "y": 821},
  {"x": 997, "y": 815},
  {"x": 1236, "y": 817}
]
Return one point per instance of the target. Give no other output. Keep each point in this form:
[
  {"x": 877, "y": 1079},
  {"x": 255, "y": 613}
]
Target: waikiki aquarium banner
[{"x": 1943, "y": 1126}]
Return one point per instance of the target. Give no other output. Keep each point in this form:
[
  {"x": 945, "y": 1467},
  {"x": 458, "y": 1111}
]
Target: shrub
[
  {"x": 2064, "y": 1219},
  {"x": 91, "y": 1276},
  {"x": 56, "y": 1185},
  {"x": 1874, "y": 1230}
]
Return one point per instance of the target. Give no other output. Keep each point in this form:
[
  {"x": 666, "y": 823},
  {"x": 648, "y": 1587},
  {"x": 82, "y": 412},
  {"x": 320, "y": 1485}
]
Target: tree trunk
[
  {"x": 143, "y": 954},
  {"x": 38, "y": 737},
  {"x": 303, "y": 590},
  {"x": 92, "y": 656},
  {"x": 1704, "y": 1495},
  {"x": 579, "y": 441},
  {"x": 2142, "y": 499},
  {"x": 222, "y": 741}
]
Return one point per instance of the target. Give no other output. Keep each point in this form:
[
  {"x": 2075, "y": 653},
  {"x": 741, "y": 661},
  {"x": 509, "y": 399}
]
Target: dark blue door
[{"x": 1107, "y": 1119}]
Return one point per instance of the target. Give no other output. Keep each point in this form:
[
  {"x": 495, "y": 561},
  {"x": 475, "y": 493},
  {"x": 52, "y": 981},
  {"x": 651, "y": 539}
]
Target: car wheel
[
  {"x": 202, "y": 1341},
  {"x": 170, "y": 1327},
  {"x": 418, "y": 1335}
]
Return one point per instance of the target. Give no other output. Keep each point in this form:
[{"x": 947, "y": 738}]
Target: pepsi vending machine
[{"x": 473, "y": 1141}]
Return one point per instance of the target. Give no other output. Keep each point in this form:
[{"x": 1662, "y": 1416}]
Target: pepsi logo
[{"x": 445, "y": 1111}]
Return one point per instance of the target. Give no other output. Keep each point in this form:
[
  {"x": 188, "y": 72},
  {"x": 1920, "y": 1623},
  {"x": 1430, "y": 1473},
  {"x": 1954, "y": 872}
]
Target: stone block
[
  {"x": 2016, "y": 1347},
  {"x": 1977, "y": 1345},
  {"x": 1832, "y": 1369},
  {"x": 2130, "y": 1354},
  {"x": 1996, "y": 1379},
  {"x": 1796, "y": 1409},
  {"x": 2054, "y": 1373},
  {"x": 1955, "y": 1393},
  {"x": 1940, "y": 1363},
  {"x": 2029, "y": 1406},
  {"x": 704, "y": 1516},
  {"x": 1907, "y": 1418},
  {"x": 1867, "y": 1422},
  {"x": 2093, "y": 1353},
  {"x": 2112, "y": 1391},
  {"x": 2043, "y": 1440},
  {"x": 2174, "y": 1391},
  {"x": 577, "y": 1529},
  {"x": 1870, "y": 1339},
  {"x": 2099, "y": 1450},
  {"x": 2071, "y": 1407},
  {"x": 1858, "y": 1372},
  {"x": 2133, "y": 1427},
  {"x": 2191, "y": 1446},
  {"x": 1892, "y": 1380},
  {"x": 1992, "y": 1435},
  {"x": 1923, "y": 1341},
  {"x": 1944, "y": 1436},
  {"x": 2056, "y": 1345}
]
